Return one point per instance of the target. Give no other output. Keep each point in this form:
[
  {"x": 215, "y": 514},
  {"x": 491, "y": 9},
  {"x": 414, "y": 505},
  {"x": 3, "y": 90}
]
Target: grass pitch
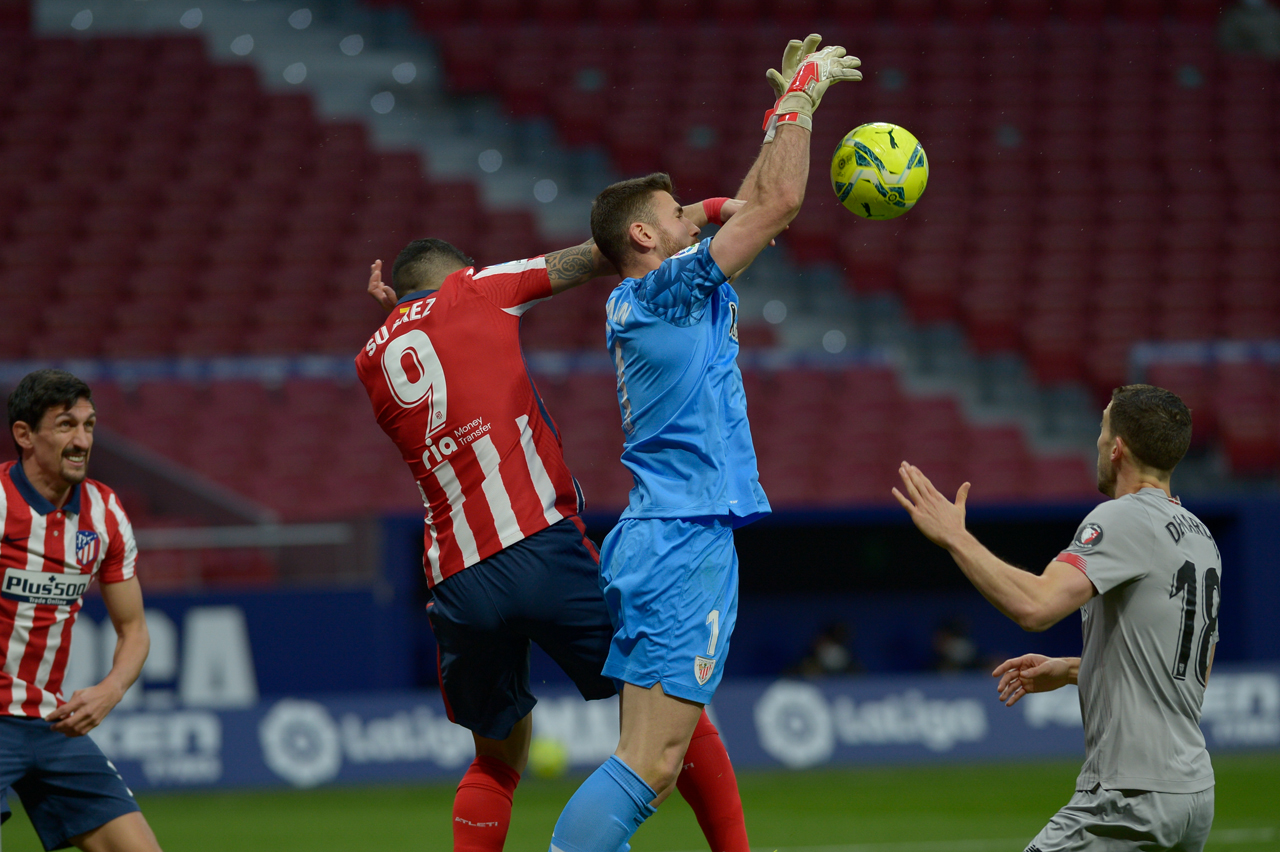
[{"x": 960, "y": 808}]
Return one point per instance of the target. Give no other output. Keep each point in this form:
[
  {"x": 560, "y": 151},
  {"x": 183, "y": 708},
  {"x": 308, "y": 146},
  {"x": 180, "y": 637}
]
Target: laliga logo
[
  {"x": 794, "y": 724},
  {"x": 300, "y": 743},
  {"x": 799, "y": 725}
]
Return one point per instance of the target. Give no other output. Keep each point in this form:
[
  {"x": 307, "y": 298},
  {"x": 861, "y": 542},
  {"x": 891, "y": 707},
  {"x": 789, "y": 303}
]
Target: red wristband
[{"x": 711, "y": 207}]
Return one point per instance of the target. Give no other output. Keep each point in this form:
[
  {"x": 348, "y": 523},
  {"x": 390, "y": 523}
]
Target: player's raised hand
[
  {"x": 933, "y": 514},
  {"x": 819, "y": 70},
  {"x": 381, "y": 293},
  {"x": 1030, "y": 673},
  {"x": 791, "y": 57},
  {"x": 815, "y": 74}
]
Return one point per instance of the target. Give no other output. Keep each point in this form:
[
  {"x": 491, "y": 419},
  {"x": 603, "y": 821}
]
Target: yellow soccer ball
[
  {"x": 879, "y": 170},
  {"x": 548, "y": 758}
]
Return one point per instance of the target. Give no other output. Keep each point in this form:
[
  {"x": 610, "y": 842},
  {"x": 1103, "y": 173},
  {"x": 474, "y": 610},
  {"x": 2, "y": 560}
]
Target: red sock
[
  {"x": 709, "y": 786},
  {"x": 482, "y": 806}
]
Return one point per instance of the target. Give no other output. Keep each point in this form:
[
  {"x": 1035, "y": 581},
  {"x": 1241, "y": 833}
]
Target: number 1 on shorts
[{"x": 713, "y": 618}]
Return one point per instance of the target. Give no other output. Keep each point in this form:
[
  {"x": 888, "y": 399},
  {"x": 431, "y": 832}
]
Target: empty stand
[
  {"x": 168, "y": 206},
  {"x": 1101, "y": 175}
]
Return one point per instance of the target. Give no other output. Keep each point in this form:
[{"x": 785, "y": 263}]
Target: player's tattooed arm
[{"x": 570, "y": 267}]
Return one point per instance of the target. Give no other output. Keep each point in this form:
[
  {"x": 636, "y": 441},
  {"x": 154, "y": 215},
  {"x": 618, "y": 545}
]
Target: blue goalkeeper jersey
[{"x": 673, "y": 336}]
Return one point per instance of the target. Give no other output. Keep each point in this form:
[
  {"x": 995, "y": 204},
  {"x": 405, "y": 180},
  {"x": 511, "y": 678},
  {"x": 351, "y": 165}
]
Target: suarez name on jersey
[
  {"x": 449, "y": 386},
  {"x": 48, "y": 557}
]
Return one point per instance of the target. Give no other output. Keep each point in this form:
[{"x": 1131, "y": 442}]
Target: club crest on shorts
[
  {"x": 88, "y": 546},
  {"x": 1089, "y": 535},
  {"x": 702, "y": 669}
]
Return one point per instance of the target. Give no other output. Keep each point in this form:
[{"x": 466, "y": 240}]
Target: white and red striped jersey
[
  {"x": 449, "y": 385},
  {"x": 48, "y": 557}
]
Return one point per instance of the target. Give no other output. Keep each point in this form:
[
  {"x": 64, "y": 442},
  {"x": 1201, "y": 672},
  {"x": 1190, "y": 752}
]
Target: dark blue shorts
[
  {"x": 544, "y": 589},
  {"x": 66, "y": 784}
]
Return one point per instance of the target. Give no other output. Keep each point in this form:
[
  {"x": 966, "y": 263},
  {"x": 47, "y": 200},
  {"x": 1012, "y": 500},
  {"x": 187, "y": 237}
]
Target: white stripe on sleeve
[
  {"x": 512, "y": 267},
  {"x": 126, "y": 535},
  {"x": 515, "y": 267},
  {"x": 495, "y": 491},
  {"x": 538, "y": 472},
  {"x": 518, "y": 310}
]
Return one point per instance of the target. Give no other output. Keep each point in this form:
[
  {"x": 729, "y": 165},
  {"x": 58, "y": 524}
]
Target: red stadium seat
[
  {"x": 1197, "y": 11},
  {"x": 619, "y": 12},
  {"x": 1064, "y": 477},
  {"x": 1055, "y": 344},
  {"x": 970, "y": 11},
  {"x": 931, "y": 286},
  {"x": 1249, "y": 434},
  {"x": 869, "y": 254},
  {"x": 992, "y": 311}
]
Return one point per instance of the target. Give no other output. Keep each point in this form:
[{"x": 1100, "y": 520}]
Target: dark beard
[{"x": 1106, "y": 480}]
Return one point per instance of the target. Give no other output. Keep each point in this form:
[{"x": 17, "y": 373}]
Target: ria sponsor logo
[{"x": 37, "y": 587}]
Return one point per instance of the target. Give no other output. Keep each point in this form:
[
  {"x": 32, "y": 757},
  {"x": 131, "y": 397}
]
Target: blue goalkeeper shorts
[{"x": 671, "y": 587}]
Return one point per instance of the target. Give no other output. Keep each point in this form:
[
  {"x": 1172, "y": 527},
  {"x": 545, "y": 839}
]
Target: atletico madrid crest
[
  {"x": 88, "y": 545},
  {"x": 702, "y": 669}
]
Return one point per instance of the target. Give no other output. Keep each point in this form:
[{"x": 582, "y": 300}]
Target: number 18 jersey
[
  {"x": 1148, "y": 634},
  {"x": 449, "y": 386}
]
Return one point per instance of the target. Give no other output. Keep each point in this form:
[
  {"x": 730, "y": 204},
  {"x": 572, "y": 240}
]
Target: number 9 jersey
[
  {"x": 1148, "y": 638},
  {"x": 449, "y": 385}
]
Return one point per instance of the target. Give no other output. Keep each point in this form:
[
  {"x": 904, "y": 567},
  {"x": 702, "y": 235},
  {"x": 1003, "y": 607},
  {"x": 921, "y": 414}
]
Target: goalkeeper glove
[{"x": 816, "y": 72}]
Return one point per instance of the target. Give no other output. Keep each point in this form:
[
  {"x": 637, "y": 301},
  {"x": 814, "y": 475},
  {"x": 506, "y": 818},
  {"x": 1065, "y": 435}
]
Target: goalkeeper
[{"x": 669, "y": 570}]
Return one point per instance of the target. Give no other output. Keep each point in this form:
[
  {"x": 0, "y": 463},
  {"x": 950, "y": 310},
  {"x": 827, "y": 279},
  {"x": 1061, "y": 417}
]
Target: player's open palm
[
  {"x": 933, "y": 514},
  {"x": 1030, "y": 673},
  {"x": 383, "y": 294}
]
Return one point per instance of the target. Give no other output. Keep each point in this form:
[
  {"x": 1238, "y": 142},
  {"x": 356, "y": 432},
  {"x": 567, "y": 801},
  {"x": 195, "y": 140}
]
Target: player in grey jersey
[{"x": 1145, "y": 574}]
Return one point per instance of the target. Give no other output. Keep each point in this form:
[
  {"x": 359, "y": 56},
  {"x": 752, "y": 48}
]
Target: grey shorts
[{"x": 1101, "y": 820}]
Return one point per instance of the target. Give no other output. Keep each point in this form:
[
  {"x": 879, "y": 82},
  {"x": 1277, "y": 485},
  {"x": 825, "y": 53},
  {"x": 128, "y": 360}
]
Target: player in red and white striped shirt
[
  {"x": 449, "y": 386},
  {"x": 60, "y": 530},
  {"x": 505, "y": 554}
]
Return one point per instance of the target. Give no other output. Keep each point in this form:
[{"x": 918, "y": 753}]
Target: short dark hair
[
  {"x": 621, "y": 204},
  {"x": 1154, "y": 423},
  {"x": 40, "y": 391},
  {"x": 424, "y": 263}
]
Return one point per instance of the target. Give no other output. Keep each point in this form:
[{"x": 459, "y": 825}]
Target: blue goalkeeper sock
[{"x": 605, "y": 812}]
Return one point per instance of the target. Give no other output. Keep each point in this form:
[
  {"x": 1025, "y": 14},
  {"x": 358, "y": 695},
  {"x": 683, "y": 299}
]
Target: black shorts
[
  {"x": 545, "y": 589},
  {"x": 66, "y": 784}
]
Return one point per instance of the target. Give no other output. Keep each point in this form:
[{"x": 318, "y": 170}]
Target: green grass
[{"x": 962, "y": 808}]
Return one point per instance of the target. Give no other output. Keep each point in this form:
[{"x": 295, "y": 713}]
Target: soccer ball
[
  {"x": 548, "y": 758},
  {"x": 879, "y": 170}
]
